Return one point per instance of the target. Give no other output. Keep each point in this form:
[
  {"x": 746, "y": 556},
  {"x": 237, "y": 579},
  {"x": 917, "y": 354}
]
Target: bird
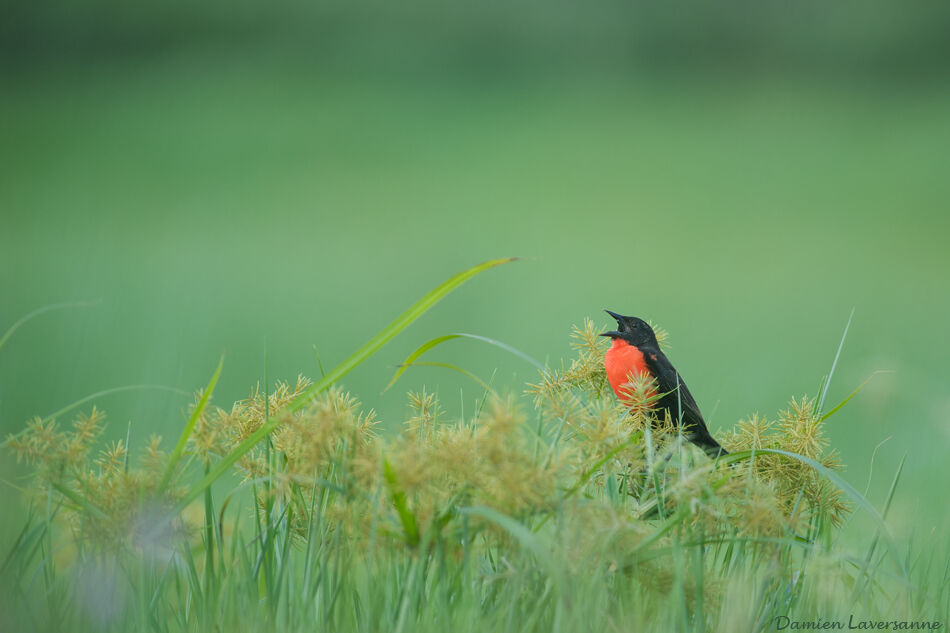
[{"x": 634, "y": 351}]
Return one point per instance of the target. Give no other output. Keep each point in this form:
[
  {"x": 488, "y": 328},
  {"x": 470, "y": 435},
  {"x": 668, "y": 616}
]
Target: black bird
[{"x": 635, "y": 350}]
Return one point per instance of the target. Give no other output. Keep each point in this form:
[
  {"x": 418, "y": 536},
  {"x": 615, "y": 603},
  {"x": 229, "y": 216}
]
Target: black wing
[{"x": 679, "y": 402}]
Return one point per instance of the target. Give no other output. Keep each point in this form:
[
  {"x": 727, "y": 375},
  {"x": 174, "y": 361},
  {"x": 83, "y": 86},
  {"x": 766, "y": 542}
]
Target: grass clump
[{"x": 561, "y": 511}]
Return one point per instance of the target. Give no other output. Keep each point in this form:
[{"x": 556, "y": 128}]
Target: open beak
[
  {"x": 615, "y": 333},
  {"x": 616, "y": 316}
]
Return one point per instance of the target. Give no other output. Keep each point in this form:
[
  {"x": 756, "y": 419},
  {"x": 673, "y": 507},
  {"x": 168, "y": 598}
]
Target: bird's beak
[
  {"x": 614, "y": 333},
  {"x": 616, "y": 316}
]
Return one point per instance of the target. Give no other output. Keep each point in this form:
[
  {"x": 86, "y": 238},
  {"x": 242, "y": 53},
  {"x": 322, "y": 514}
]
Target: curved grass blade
[
  {"x": 528, "y": 539},
  {"x": 428, "y": 345},
  {"x": 853, "y": 394},
  {"x": 55, "y": 306},
  {"x": 845, "y": 487},
  {"x": 658, "y": 552},
  {"x": 484, "y": 385},
  {"x": 867, "y": 487},
  {"x": 93, "y": 396},
  {"x": 410, "y": 360},
  {"x": 179, "y": 449},
  {"x": 403, "y": 321}
]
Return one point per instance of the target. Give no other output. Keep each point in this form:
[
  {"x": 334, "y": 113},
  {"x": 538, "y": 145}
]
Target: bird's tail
[
  {"x": 708, "y": 443},
  {"x": 714, "y": 450}
]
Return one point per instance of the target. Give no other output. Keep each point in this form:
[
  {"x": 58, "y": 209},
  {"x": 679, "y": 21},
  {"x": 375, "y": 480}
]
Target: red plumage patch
[{"x": 622, "y": 360}]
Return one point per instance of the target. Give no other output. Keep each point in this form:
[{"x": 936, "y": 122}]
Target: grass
[{"x": 554, "y": 510}]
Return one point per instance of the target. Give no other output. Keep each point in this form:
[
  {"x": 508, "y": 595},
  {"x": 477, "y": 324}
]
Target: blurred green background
[{"x": 227, "y": 177}]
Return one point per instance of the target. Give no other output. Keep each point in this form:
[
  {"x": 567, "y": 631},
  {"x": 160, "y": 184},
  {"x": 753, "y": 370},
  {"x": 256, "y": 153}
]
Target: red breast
[{"x": 622, "y": 360}]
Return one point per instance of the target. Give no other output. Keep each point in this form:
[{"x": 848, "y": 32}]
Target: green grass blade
[
  {"x": 422, "y": 349},
  {"x": 93, "y": 396},
  {"x": 853, "y": 394},
  {"x": 209, "y": 539},
  {"x": 80, "y": 501},
  {"x": 528, "y": 539},
  {"x": 834, "y": 364},
  {"x": 372, "y": 346},
  {"x": 179, "y": 449},
  {"x": 484, "y": 385},
  {"x": 406, "y": 517},
  {"x": 56, "y": 306},
  {"x": 226, "y": 462},
  {"x": 316, "y": 353},
  {"x": 428, "y": 345},
  {"x": 403, "y": 321}
]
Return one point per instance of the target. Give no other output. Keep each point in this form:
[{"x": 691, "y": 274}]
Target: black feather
[{"x": 676, "y": 400}]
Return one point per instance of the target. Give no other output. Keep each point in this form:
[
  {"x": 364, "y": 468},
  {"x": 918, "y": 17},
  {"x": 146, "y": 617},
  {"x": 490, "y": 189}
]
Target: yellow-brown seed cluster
[
  {"x": 110, "y": 502},
  {"x": 800, "y": 490}
]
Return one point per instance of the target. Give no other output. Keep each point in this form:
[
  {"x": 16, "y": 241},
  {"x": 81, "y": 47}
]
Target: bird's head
[{"x": 632, "y": 330}]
